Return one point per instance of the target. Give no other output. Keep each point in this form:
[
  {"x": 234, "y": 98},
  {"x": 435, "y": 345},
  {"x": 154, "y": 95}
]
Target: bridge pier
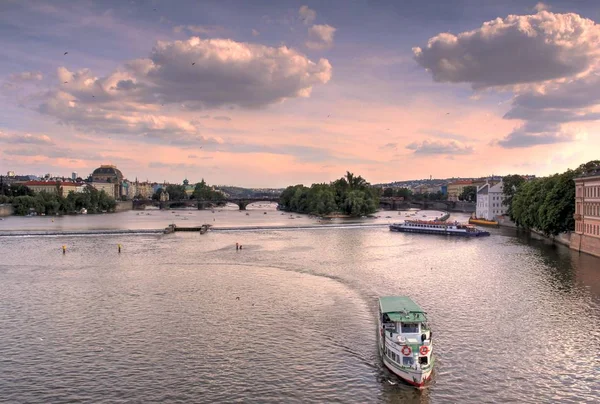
[{"x": 243, "y": 204}]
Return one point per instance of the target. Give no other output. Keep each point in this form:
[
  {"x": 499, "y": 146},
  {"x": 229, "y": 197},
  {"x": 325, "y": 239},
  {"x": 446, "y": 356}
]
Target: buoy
[{"x": 64, "y": 249}]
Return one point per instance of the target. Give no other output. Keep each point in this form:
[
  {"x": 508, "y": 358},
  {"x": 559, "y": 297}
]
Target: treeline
[
  {"x": 25, "y": 201},
  {"x": 202, "y": 191},
  {"x": 350, "y": 195},
  {"x": 544, "y": 204}
]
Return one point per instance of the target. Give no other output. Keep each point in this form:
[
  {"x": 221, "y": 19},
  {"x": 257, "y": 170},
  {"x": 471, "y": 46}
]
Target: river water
[{"x": 291, "y": 317}]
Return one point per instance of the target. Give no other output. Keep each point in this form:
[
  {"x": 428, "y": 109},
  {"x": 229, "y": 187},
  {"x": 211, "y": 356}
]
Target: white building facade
[{"x": 489, "y": 201}]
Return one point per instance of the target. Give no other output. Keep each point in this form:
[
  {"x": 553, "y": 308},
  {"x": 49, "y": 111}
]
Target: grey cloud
[
  {"x": 54, "y": 152},
  {"x": 222, "y": 118},
  {"x": 527, "y": 136},
  {"x": 192, "y": 156},
  {"x": 439, "y": 147},
  {"x": 25, "y": 138},
  {"x": 389, "y": 146},
  {"x": 446, "y": 135},
  {"x": 513, "y": 50},
  {"x": 25, "y": 76}
]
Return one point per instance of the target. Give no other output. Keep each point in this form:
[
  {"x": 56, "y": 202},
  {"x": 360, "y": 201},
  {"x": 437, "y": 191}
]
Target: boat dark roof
[{"x": 401, "y": 308}]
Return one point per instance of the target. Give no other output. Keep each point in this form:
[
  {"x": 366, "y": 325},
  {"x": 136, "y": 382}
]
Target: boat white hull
[{"x": 417, "y": 378}]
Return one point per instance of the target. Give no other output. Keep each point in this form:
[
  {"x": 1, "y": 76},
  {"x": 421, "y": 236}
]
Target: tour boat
[
  {"x": 405, "y": 342},
  {"x": 437, "y": 227}
]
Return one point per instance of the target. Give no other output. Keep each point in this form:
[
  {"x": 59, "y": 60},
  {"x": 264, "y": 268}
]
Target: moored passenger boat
[
  {"x": 437, "y": 227},
  {"x": 405, "y": 343}
]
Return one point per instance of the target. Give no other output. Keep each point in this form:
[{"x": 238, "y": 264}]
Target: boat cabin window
[
  {"x": 410, "y": 328},
  {"x": 408, "y": 361},
  {"x": 423, "y": 360}
]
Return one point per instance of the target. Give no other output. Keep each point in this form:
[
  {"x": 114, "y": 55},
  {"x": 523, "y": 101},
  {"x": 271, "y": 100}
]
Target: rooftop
[
  {"x": 593, "y": 173},
  {"x": 401, "y": 308},
  {"x": 53, "y": 183}
]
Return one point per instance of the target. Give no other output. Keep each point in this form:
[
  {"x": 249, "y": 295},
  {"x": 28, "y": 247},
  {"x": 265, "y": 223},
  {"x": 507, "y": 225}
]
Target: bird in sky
[
  {"x": 65, "y": 53},
  {"x": 65, "y": 82},
  {"x": 447, "y": 113},
  {"x": 193, "y": 63}
]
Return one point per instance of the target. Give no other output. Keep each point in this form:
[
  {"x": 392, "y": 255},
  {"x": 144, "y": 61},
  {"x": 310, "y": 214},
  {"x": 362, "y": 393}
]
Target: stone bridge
[{"x": 242, "y": 203}]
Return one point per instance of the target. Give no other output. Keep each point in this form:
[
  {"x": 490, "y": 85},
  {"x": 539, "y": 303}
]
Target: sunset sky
[{"x": 272, "y": 93}]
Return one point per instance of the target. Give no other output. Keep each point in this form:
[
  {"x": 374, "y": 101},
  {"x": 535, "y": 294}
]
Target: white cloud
[
  {"x": 194, "y": 74},
  {"x": 513, "y": 50},
  {"x": 551, "y": 63},
  {"x": 541, "y": 7},
  {"x": 320, "y": 37},
  {"x": 307, "y": 15},
  {"x": 440, "y": 147}
]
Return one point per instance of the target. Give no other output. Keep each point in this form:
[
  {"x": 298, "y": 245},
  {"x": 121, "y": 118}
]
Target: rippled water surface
[{"x": 291, "y": 317}]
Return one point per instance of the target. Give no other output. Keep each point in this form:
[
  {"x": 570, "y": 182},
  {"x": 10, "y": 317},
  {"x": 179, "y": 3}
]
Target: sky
[{"x": 270, "y": 94}]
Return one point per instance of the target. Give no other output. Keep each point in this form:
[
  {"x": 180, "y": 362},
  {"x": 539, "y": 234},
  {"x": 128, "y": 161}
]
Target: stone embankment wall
[
  {"x": 586, "y": 244},
  {"x": 6, "y": 210},
  {"x": 122, "y": 206},
  {"x": 505, "y": 221},
  {"x": 466, "y": 207}
]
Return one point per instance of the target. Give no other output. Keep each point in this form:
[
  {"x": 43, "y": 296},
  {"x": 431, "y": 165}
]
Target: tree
[
  {"x": 351, "y": 195},
  {"x": 176, "y": 192},
  {"x": 469, "y": 194},
  {"x": 388, "y": 192},
  {"x": 512, "y": 183},
  {"x": 404, "y": 193}
]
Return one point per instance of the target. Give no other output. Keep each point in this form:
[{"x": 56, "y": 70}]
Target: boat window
[
  {"x": 394, "y": 356},
  {"x": 410, "y": 328},
  {"x": 408, "y": 361},
  {"x": 423, "y": 360}
]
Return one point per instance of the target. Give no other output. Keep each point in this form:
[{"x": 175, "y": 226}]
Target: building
[
  {"x": 586, "y": 237},
  {"x": 455, "y": 189},
  {"x": 108, "y": 174},
  {"x": 106, "y": 187},
  {"x": 74, "y": 176},
  {"x": 10, "y": 174},
  {"x": 55, "y": 187},
  {"x": 489, "y": 201},
  {"x": 189, "y": 189}
]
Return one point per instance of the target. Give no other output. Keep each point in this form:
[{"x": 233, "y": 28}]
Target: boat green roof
[{"x": 401, "y": 308}]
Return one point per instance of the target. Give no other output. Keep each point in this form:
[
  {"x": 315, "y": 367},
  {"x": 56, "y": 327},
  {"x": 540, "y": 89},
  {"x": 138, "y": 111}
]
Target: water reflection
[{"x": 162, "y": 320}]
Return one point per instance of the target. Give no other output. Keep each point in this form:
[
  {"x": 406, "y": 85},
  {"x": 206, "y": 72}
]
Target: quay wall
[
  {"x": 586, "y": 244},
  {"x": 123, "y": 206},
  {"x": 6, "y": 210}
]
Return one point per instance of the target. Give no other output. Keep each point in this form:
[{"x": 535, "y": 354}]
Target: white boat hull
[{"x": 417, "y": 378}]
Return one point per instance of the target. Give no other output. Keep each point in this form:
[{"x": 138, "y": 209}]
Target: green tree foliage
[
  {"x": 547, "y": 204},
  {"x": 512, "y": 183},
  {"x": 204, "y": 192},
  {"x": 351, "y": 195},
  {"x": 469, "y": 194},
  {"x": 92, "y": 200},
  {"x": 16, "y": 190},
  {"x": 176, "y": 192}
]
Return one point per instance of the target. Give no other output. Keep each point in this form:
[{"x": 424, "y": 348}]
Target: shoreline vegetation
[
  {"x": 347, "y": 197},
  {"x": 27, "y": 202},
  {"x": 544, "y": 205}
]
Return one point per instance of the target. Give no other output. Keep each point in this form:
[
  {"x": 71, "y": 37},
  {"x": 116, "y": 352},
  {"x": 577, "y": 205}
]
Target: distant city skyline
[{"x": 269, "y": 94}]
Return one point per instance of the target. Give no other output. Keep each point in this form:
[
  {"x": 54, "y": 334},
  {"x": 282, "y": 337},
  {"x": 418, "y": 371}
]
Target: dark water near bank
[{"x": 514, "y": 320}]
